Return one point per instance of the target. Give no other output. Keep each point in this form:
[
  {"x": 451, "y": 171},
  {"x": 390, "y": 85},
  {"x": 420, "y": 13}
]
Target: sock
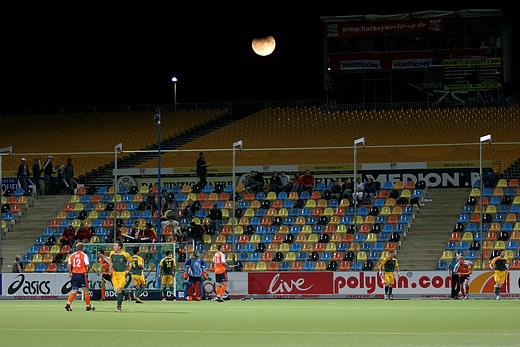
[
  {"x": 103, "y": 293},
  {"x": 164, "y": 293},
  {"x": 386, "y": 290},
  {"x": 197, "y": 289},
  {"x": 190, "y": 290},
  {"x": 497, "y": 291},
  {"x": 119, "y": 299},
  {"x": 219, "y": 290},
  {"x": 224, "y": 287},
  {"x": 87, "y": 298},
  {"x": 71, "y": 298},
  {"x": 390, "y": 290}
]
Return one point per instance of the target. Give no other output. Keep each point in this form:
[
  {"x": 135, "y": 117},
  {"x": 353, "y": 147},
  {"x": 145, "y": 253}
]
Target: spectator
[
  {"x": 336, "y": 191},
  {"x": 149, "y": 234},
  {"x": 348, "y": 188},
  {"x": 360, "y": 191},
  {"x": 215, "y": 215},
  {"x": 254, "y": 183},
  {"x": 370, "y": 189},
  {"x": 37, "y": 174},
  {"x": 202, "y": 170},
  {"x": 23, "y": 174},
  {"x": 151, "y": 201},
  {"x": 307, "y": 181},
  {"x": 134, "y": 233},
  {"x": 296, "y": 182},
  {"x": 196, "y": 232},
  {"x": 67, "y": 236},
  {"x": 48, "y": 170},
  {"x": 114, "y": 238},
  {"x": 275, "y": 183},
  {"x": 285, "y": 182},
  {"x": 17, "y": 265},
  {"x": 189, "y": 210},
  {"x": 68, "y": 176},
  {"x": 82, "y": 235}
]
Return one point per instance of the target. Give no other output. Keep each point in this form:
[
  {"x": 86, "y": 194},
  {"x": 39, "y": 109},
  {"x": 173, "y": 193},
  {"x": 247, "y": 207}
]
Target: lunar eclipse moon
[{"x": 264, "y": 46}]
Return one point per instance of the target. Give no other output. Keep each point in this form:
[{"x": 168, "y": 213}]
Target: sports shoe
[
  {"x": 189, "y": 298},
  {"x": 164, "y": 299},
  {"x": 197, "y": 298},
  {"x": 391, "y": 297},
  {"x": 68, "y": 308},
  {"x": 467, "y": 297},
  {"x": 91, "y": 308},
  {"x": 118, "y": 309},
  {"x": 386, "y": 297},
  {"x": 102, "y": 299},
  {"x": 138, "y": 301},
  {"x": 498, "y": 297}
]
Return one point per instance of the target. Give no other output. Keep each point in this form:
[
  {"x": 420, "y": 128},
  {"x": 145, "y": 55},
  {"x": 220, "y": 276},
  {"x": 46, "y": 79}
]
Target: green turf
[{"x": 263, "y": 322}]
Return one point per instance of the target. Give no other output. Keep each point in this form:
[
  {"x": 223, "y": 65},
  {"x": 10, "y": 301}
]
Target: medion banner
[{"x": 297, "y": 285}]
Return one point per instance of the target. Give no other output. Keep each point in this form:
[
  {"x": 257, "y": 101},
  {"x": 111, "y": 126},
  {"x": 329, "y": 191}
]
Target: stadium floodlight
[
  {"x": 361, "y": 140},
  {"x": 174, "y": 80},
  {"x": 483, "y": 139},
  {"x": 236, "y": 144}
]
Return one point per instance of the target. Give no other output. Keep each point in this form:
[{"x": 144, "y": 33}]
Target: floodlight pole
[
  {"x": 3, "y": 151},
  {"x": 237, "y": 144},
  {"x": 158, "y": 123},
  {"x": 356, "y": 143},
  {"x": 117, "y": 149},
  {"x": 174, "y": 80},
  {"x": 482, "y": 140}
]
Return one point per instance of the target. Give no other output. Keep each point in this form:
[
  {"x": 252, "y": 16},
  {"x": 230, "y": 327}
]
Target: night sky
[{"x": 105, "y": 56}]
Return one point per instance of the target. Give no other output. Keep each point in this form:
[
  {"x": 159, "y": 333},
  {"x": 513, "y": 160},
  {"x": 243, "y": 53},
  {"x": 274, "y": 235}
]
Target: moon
[{"x": 264, "y": 46}]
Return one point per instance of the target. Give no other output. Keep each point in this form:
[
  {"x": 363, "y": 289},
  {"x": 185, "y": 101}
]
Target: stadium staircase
[
  {"x": 426, "y": 239},
  {"x": 103, "y": 175},
  {"x": 28, "y": 227}
]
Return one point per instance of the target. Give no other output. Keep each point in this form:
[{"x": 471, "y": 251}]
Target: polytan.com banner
[{"x": 368, "y": 284}]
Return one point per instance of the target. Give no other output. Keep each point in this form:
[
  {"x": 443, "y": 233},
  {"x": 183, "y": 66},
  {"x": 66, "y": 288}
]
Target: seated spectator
[
  {"x": 336, "y": 191},
  {"x": 348, "y": 188},
  {"x": 370, "y": 189},
  {"x": 215, "y": 215},
  {"x": 307, "y": 182},
  {"x": 189, "y": 210},
  {"x": 82, "y": 235},
  {"x": 196, "y": 232},
  {"x": 151, "y": 201},
  {"x": 149, "y": 234},
  {"x": 67, "y": 236},
  {"x": 253, "y": 182},
  {"x": 275, "y": 183},
  {"x": 133, "y": 234},
  {"x": 111, "y": 238},
  {"x": 360, "y": 191},
  {"x": 296, "y": 182},
  {"x": 285, "y": 182}
]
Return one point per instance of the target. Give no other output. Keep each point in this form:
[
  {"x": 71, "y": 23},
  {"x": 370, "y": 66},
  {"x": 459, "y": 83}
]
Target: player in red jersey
[{"x": 78, "y": 266}]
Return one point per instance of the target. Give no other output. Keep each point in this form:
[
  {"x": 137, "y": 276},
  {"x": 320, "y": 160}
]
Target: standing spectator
[
  {"x": 37, "y": 174},
  {"x": 387, "y": 267},
  {"x": 500, "y": 265},
  {"x": 23, "y": 174},
  {"x": 215, "y": 215},
  {"x": 120, "y": 262},
  {"x": 17, "y": 265},
  {"x": 195, "y": 270},
  {"x": 106, "y": 277},
  {"x": 202, "y": 170},
  {"x": 137, "y": 271},
  {"x": 221, "y": 278},
  {"x": 307, "y": 182},
  {"x": 463, "y": 269},
  {"x": 275, "y": 183},
  {"x": 285, "y": 182},
  {"x": 78, "y": 266},
  {"x": 455, "y": 286},
  {"x": 196, "y": 232},
  {"x": 68, "y": 176},
  {"x": 48, "y": 170},
  {"x": 167, "y": 268}
]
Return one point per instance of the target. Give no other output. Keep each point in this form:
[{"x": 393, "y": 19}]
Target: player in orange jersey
[
  {"x": 78, "y": 266},
  {"x": 106, "y": 277},
  {"x": 220, "y": 266}
]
